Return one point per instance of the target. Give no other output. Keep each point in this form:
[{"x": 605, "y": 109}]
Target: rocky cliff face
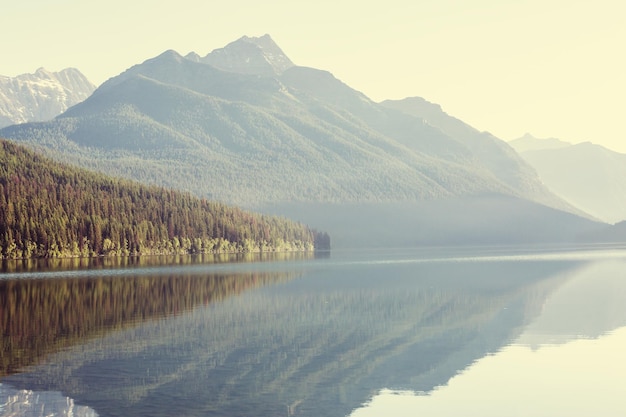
[{"x": 41, "y": 96}]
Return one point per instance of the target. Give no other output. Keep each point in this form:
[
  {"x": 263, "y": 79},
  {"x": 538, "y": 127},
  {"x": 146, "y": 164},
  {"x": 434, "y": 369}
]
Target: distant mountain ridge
[
  {"x": 255, "y": 130},
  {"x": 587, "y": 175},
  {"x": 530, "y": 143},
  {"x": 42, "y": 95}
]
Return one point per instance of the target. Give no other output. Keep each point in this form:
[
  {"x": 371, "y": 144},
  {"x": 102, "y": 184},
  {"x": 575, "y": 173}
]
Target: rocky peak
[
  {"x": 41, "y": 95},
  {"x": 250, "y": 55}
]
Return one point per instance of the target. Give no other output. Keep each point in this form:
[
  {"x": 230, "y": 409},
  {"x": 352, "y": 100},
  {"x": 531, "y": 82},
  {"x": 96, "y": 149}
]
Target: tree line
[{"x": 50, "y": 210}]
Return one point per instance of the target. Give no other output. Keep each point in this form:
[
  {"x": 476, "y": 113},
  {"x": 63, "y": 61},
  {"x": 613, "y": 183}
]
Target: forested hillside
[{"x": 51, "y": 210}]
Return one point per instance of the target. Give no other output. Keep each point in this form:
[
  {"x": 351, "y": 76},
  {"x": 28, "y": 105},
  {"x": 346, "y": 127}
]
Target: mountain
[
  {"x": 530, "y": 143},
  {"x": 259, "y": 56},
  {"x": 587, "y": 175},
  {"x": 282, "y": 138},
  {"x": 495, "y": 154},
  {"x": 42, "y": 95},
  {"x": 51, "y": 210}
]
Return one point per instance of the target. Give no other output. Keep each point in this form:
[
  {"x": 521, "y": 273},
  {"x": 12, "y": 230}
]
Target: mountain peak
[
  {"x": 264, "y": 42},
  {"x": 170, "y": 54},
  {"x": 41, "y": 71},
  {"x": 529, "y": 142},
  {"x": 192, "y": 56},
  {"x": 41, "y": 95},
  {"x": 250, "y": 55}
]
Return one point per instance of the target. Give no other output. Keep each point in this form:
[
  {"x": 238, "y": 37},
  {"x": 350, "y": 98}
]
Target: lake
[{"x": 436, "y": 332}]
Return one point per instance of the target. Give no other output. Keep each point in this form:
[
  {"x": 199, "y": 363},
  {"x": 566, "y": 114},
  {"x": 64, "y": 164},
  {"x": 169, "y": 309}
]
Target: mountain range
[
  {"x": 246, "y": 126},
  {"x": 41, "y": 95},
  {"x": 587, "y": 175}
]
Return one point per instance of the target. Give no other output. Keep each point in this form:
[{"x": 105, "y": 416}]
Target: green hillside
[{"x": 51, "y": 210}]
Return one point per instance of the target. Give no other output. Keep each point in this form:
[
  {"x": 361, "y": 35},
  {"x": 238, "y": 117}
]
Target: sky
[{"x": 551, "y": 68}]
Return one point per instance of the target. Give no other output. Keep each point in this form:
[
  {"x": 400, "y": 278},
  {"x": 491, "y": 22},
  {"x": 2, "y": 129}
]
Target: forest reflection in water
[
  {"x": 319, "y": 345},
  {"x": 39, "y": 315}
]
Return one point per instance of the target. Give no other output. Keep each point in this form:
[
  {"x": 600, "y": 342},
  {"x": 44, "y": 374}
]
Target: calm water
[{"x": 422, "y": 332}]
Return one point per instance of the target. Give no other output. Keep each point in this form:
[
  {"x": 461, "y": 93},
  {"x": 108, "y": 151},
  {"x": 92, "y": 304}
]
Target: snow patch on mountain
[{"x": 42, "y": 95}]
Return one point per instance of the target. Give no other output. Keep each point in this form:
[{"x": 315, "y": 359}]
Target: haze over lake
[{"x": 439, "y": 332}]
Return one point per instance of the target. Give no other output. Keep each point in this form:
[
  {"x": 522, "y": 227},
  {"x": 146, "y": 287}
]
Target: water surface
[{"x": 420, "y": 332}]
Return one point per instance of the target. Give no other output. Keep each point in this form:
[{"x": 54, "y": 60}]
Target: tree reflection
[{"x": 41, "y": 316}]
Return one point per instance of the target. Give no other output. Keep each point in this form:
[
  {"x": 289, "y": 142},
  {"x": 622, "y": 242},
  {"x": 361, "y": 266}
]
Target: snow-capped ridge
[{"x": 41, "y": 95}]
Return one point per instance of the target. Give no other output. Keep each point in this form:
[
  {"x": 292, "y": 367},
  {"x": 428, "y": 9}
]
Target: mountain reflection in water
[
  {"x": 303, "y": 338},
  {"x": 567, "y": 361}
]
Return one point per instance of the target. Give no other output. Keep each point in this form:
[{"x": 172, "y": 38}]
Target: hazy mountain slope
[
  {"x": 318, "y": 87},
  {"x": 267, "y": 141},
  {"x": 587, "y": 175},
  {"x": 41, "y": 95},
  {"x": 530, "y": 143},
  {"x": 493, "y": 219},
  {"x": 493, "y": 153}
]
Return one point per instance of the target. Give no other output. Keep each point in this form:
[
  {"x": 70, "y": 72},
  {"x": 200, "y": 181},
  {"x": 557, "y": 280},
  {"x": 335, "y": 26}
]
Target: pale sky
[{"x": 554, "y": 68}]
